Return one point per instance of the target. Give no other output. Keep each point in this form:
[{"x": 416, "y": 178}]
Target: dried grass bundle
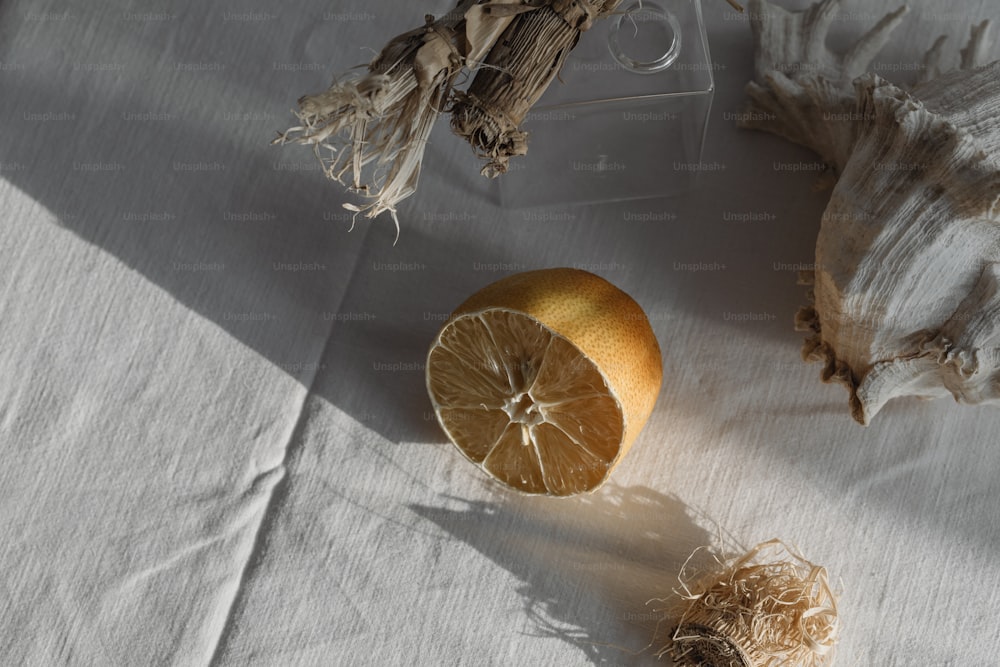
[
  {"x": 374, "y": 126},
  {"x": 385, "y": 115},
  {"x": 767, "y": 608},
  {"x": 519, "y": 69},
  {"x": 382, "y": 119}
]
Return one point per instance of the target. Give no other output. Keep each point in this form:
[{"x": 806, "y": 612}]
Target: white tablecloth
[{"x": 217, "y": 445}]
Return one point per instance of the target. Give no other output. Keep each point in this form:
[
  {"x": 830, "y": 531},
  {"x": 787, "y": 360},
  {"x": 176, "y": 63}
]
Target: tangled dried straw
[{"x": 767, "y": 608}]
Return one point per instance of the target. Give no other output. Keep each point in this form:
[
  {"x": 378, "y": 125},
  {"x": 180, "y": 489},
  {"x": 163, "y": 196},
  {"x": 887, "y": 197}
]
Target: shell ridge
[{"x": 905, "y": 296}]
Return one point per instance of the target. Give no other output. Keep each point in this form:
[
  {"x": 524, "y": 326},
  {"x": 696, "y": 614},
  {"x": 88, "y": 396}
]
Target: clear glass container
[{"x": 626, "y": 118}]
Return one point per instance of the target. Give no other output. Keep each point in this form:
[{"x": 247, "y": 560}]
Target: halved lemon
[{"x": 544, "y": 379}]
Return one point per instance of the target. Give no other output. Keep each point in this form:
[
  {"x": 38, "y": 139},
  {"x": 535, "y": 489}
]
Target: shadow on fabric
[{"x": 589, "y": 565}]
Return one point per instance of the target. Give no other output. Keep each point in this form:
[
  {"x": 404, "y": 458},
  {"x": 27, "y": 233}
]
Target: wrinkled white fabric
[{"x": 217, "y": 445}]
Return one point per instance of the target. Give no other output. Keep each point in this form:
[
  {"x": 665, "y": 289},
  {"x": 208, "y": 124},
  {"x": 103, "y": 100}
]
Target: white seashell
[{"x": 907, "y": 282}]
